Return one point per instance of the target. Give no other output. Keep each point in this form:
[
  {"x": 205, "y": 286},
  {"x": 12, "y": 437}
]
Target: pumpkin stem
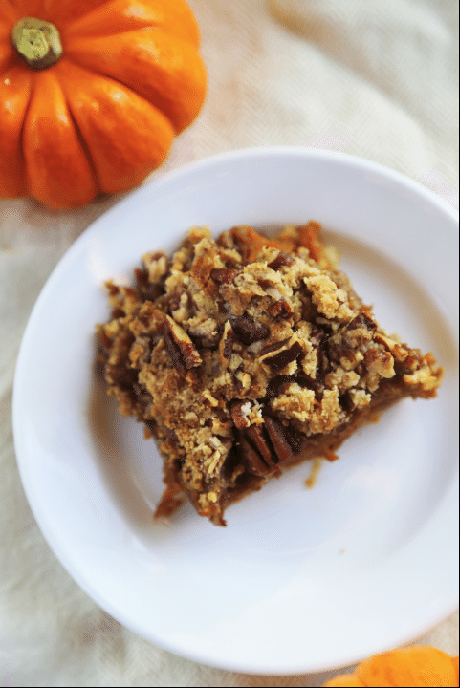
[{"x": 37, "y": 41}]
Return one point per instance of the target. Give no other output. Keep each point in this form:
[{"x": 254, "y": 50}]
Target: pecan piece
[
  {"x": 346, "y": 402},
  {"x": 179, "y": 346},
  {"x": 281, "y": 260},
  {"x": 275, "y": 385},
  {"x": 282, "y": 308},
  {"x": 362, "y": 322},
  {"x": 249, "y": 331},
  {"x": 263, "y": 446},
  {"x": 174, "y": 302},
  {"x": 255, "y": 463},
  {"x": 317, "y": 336},
  {"x": 409, "y": 363},
  {"x": 239, "y": 410},
  {"x": 149, "y": 291},
  {"x": 280, "y": 360},
  {"x": 223, "y": 275},
  {"x": 275, "y": 346},
  {"x": 382, "y": 362},
  {"x": 255, "y": 434},
  {"x": 285, "y": 444},
  {"x": 395, "y": 348}
]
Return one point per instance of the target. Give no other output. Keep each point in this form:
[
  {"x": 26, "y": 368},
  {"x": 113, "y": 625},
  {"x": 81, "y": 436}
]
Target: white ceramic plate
[{"x": 301, "y": 579}]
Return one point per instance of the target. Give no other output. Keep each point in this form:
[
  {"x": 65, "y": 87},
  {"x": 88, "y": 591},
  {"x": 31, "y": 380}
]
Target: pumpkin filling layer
[{"x": 246, "y": 355}]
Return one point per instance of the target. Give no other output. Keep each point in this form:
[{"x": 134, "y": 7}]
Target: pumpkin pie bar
[{"x": 245, "y": 355}]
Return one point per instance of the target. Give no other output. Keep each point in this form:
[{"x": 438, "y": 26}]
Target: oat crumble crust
[{"x": 245, "y": 355}]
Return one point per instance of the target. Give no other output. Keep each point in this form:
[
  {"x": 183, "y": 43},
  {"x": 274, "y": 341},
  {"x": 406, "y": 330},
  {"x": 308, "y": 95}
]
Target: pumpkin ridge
[
  {"x": 174, "y": 81},
  {"x": 119, "y": 16},
  {"x": 52, "y": 150},
  {"x": 80, "y": 136},
  {"x": 124, "y": 148},
  {"x": 69, "y": 59}
]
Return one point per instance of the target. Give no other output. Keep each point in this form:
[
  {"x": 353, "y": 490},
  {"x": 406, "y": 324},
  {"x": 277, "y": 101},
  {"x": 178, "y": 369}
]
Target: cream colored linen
[{"x": 375, "y": 78}]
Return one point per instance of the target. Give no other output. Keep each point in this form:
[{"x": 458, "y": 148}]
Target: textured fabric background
[{"x": 375, "y": 78}]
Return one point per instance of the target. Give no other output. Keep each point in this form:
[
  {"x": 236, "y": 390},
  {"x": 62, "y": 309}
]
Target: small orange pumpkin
[
  {"x": 417, "y": 665},
  {"x": 92, "y": 93}
]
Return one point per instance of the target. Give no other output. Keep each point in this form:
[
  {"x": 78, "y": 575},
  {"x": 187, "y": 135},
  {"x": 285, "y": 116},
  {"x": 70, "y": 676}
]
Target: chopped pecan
[
  {"x": 256, "y": 464},
  {"x": 346, "y": 402},
  {"x": 285, "y": 443},
  {"x": 261, "y": 446},
  {"x": 282, "y": 308},
  {"x": 280, "y": 360},
  {"x": 359, "y": 331},
  {"x": 398, "y": 351},
  {"x": 409, "y": 364},
  {"x": 179, "y": 346},
  {"x": 174, "y": 302},
  {"x": 317, "y": 336},
  {"x": 362, "y": 322},
  {"x": 223, "y": 275},
  {"x": 239, "y": 410},
  {"x": 206, "y": 342},
  {"x": 350, "y": 359},
  {"x": 256, "y": 435},
  {"x": 265, "y": 446},
  {"x": 381, "y": 362},
  {"x": 243, "y": 381},
  {"x": 249, "y": 331},
  {"x": 275, "y": 346},
  {"x": 275, "y": 385},
  {"x": 281, "y": 260},
  {"x": 149, "y": 291},
  {"x": 149, "y": 321}
]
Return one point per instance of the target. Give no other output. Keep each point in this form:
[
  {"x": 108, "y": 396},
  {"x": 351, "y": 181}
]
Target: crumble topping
[{"x": 246, "y": 354}]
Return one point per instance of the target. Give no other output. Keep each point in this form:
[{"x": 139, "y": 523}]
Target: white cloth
[{"x": 375, "y": 78}]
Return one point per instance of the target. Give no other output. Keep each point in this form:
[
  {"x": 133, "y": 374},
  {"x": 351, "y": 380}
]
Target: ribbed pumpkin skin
[{"x": 105, "y": 114}]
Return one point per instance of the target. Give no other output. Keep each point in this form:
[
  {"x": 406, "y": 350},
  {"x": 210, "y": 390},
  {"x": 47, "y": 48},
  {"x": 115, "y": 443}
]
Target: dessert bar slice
[{"x": 245, "y": 355}]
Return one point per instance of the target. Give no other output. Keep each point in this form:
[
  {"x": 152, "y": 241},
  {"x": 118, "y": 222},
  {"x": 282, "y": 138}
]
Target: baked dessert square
[{"x": 245, "y": 355}]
